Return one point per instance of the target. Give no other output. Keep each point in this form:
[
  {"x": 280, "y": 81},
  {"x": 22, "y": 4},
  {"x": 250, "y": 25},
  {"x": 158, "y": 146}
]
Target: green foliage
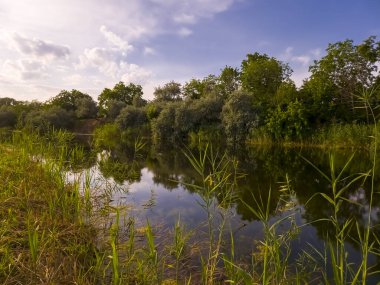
[
  {"x": 318, "y": 95},
  {"x": 343, "y": 135},
  {"x": 45, "y": 119},
  {"x": 288, "y": 123},
  {"x": 153, "y": 110},
  {"x": 197, "y": 89},
  {"x": 239, "y": 116},
  {"x": 85, "y": 108},
  {"x": 163, "y": 127},
  {"x": 286, "y": 93},
  {"x": 6, "y": 101},
  {"x": 262, "y": 75},
  {"x": 127, "y": 94},
  {"x": 193, "y": 89},
  {"x": 107, "y": 136},
  {"x": 75, "y": 101},
  {"x": 229, "y": 81},
  {"x": 131, "y": 117},
  {"x": 178, "y": 119},
  {"x": 169, "y": 92},
  {"x": 349, "y": 69},
  {"x": 8, "y": 117}
]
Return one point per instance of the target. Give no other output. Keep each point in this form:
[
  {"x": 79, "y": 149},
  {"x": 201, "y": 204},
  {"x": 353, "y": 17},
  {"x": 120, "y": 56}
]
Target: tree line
[{"x": 257, "y": 99}]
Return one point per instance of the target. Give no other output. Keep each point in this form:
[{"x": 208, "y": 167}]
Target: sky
[{"x": 51, "y": 45}]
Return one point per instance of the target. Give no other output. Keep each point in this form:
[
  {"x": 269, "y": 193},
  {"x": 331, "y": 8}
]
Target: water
[{"x": 153, "y": 186}]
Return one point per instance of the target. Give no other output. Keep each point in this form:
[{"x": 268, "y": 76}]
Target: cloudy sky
[{"x": 50, "y": 45}]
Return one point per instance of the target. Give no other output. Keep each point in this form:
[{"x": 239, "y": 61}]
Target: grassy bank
[
  {"x": 352, "y": 136},
  {"x": 43, "y": 239}
]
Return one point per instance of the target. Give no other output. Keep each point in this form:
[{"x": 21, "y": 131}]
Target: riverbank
[{"x": 43, "y": 239}]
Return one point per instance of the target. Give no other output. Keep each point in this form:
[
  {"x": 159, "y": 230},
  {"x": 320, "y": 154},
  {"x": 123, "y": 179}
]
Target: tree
[
  {"x": 85, "y": 108},
  {"x": 239, "y": 116},
  {"x": 286, "y": 93},
  {"x": 8, "y": 117},
  {"x": 169, "y": 92},
  {"x": 45, "y": 119},
  {"x": 262, "y": 75},
  {"x": 81, "y": 104},
  {"x": 193, "y": 89},
  {"x": 120, "y": 92},
  {"x": 228, "y": 81},
  {"x": 131, "y": 117},
  {"x": 163, "y": 128},
  {"x": 6, "y": 101},
  {"x": 197, "y": 89},
  {"x": 349, "y": 68},
  {"x": 288, "y": 122}
]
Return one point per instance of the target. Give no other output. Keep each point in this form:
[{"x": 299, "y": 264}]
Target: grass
[
  {"x": 349, "y": 136},
  {"x": 43, "y": 239}
]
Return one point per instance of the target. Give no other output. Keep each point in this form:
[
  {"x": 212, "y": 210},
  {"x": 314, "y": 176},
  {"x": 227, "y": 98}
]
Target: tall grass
[{"x": 43, "y": 240}]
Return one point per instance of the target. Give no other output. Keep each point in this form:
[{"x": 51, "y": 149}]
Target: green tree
[
  {"x": 131, "y": 117},
  {"x": 193, "y": 89},
  {"x": 317, "y": 94},
  {"x": 286, "y": 93},
  {"x": 120, "y": 92},
  {"x": 169, "y": 92},
  {"x": 81, "y": 104},
  {"x": 288, "y": 122},
  {"x": 262, "y": 75},
  {"x": 349, "y": 68},
  {"x": 8, "y": 117},
  {"x": 6, "y": 101},
  {"x": 45, "y": 119},
  {"x": 163, "y": 128},
  {"x": 239, "y": 116},
  {"x": 85, "y": 108},
  {"x": 228, "y": 81}
]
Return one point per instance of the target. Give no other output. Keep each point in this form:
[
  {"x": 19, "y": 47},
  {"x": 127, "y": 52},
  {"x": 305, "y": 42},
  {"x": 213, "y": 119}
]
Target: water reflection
[{"x": 157, "y": 180}]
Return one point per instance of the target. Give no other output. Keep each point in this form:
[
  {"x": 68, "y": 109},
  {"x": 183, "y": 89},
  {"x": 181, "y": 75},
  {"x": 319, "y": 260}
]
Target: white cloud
[
  {"x": 185, "y": 18},
  {"x": 105, "y": 60},
  {"x": 199, "y": 8},
  {"x": 300, "y": 63},
  {"x": 149, "y": 51},
  {"x": 113, "y": 65},
  {"x": 74, "y": 79},
  {"x": 116, "y": 40},
  {"x": 303, "y": 59},
  {"x": 316, "y": 52},
  {"x": 39, "y": 48},
  {"x": 24, "y": 69},
  {"x": 134, "y": 73},
  {"x": 184, "y": 32},
  {"x": 112, "y": 62},
  {"x": 76, "y": 52}
]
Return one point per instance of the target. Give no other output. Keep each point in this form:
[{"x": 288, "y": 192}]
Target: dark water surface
[{"x": 153, "y": 184}]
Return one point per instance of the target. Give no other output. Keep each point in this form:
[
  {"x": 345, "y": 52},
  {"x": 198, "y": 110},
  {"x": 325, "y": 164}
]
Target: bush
[
  {"x": 131, "y": 117},
  {"x": 44, "y": 120},
  {"x": 8, "y": 117},
  {"x": 107, "y": 136},
  {"x": 163, "y": 128},
  {"x": 288, "y": 123},
  {"x": 239, "y": 116}
]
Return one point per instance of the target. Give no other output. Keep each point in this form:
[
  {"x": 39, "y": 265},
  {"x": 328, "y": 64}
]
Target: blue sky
[{"x": 50, "y": 45}]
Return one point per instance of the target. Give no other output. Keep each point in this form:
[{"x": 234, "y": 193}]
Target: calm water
[{"x": 152, "y": 185}]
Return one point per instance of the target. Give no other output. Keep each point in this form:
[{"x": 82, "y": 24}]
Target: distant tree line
[{"x": 258, "y": 98}]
